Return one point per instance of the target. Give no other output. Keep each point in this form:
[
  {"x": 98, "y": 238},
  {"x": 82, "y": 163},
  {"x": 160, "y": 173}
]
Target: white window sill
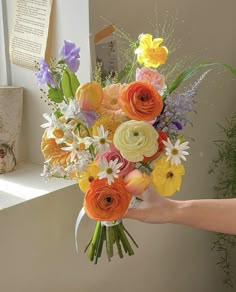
[{"x": 25, "y": 183}]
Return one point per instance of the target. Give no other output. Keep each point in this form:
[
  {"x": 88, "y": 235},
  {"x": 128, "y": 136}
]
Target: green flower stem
[
  {"x": 112, "y": 235},
  {"x": 109, "y": 242},
  {"x": 94, "y": 242},
  {"x": 131, "y": 70},
  {"x": 117, "y": 240},
  {"x": 101, "y": 240},
  {"x": 148, "y": 167},
  {"x": 99, "y": 244},
  {"x": 124, "y": 239},
  {"x": 130, "y": 236}
]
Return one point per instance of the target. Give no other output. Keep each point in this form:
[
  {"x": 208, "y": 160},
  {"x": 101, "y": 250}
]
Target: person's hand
[{"x": 153, "y": 208}]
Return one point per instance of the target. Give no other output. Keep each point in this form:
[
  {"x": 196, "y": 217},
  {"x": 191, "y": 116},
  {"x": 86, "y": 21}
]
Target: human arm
[{"x": 217, "y": 215}]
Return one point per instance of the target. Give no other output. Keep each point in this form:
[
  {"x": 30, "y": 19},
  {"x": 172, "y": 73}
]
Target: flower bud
[
  {"x": 136, "y": 182},
  {"x": 89, "y": 96}
]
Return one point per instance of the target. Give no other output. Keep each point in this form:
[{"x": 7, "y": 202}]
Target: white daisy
[
  {"x": 78, "y": 146},
  {"x": 81, "y": 165},
  {"x": 61, "y": 133},
  {"x": 52, "y": 171},
  {"x": 110, "y": 169},
  {"x": 101, "y": 142},
  {"x": 51, "y": 121},
  {"x": 176, "y": 152},
  {"x": 71, "y": 110}
]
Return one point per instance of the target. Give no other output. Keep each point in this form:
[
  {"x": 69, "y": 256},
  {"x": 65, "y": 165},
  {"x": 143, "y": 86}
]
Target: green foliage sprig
[{"x": 224, "y": 166}]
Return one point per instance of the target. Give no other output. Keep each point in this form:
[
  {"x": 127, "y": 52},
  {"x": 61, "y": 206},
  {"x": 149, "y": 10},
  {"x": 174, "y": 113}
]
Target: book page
[{"x": 30, "y": 32}]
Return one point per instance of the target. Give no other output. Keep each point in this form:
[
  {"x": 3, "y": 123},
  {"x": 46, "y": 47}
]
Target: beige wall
[{"x": 37, "y": 251}]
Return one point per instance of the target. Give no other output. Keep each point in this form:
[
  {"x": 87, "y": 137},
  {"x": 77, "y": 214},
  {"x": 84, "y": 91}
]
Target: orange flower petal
[
  {"x": 53, "y": 153},
  {"x": 104, "y": 202},
  {"x": 140, "y": 101}
]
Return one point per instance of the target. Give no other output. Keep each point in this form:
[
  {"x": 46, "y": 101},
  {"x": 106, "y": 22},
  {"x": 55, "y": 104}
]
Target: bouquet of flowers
[{"x": 116, "y": 137}]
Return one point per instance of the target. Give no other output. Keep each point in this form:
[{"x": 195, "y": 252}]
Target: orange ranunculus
[
  {"x": 140, "y": 101},
  {"x": 104, "y": 202},
  {"x": 89, "y": 96},
  {"x": 161, "y": 147},
  {"x": 136, "y": 182}
]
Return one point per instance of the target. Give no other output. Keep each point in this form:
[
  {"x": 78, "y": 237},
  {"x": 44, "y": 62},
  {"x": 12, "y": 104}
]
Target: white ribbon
[
  {"x": 110, "y": 223},
  {"x": 78, "y": 220}
]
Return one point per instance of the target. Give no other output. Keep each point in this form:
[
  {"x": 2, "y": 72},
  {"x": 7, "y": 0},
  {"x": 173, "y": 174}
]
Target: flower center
[
  {"x": 109, "y": 170},
  {"x": 169, "y": 174},
  {"x": 108, "y": 200},
  {"x": 113, "y": 101},
  {"x": 81, "y": 146},
  {"x": 136, "y": 133},
  {"x": 90, "y": 179},
  {"x": 102, "y": 141},
  {"x": 58, "y": 133},
  {"x": 143, "y": 98},
  {"x": 174, "y": 151}
]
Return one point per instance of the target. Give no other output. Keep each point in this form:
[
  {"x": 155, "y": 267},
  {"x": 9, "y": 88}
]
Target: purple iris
[
  {"x": 44, "y": 75},
  {"x": 70, "y": 54}
]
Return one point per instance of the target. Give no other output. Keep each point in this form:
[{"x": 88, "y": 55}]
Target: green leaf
[
  {"x": 55, "y": 95},
  {"x": 191, "y": 71},
  {"x": 58, "y": 114},
  {"x": 74, "y": 83},
  {"x": 69, "y": 84},
  {"x": 124, "y": 72},
  {"x": 231, "y": 69},
  {"x": 66, "y": 84},
  {"x": 186, "y": 74}
]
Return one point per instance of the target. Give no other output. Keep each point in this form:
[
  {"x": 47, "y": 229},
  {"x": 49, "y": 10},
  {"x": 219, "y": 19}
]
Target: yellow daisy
[
  {"x": 166, "y": 178},
  {"x": 86, "y": 177}
]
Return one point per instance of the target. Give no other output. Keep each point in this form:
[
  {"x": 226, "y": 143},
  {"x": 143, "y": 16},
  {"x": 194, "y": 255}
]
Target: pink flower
[
  {"x": 156, "y": 79},
  {"x": 136, "y": 182},
  {"x": 114, "y": 153}
]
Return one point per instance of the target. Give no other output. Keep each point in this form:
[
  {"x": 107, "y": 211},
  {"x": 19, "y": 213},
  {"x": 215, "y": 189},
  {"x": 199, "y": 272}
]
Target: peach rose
[
  {"x": 136, "y": 182},
  {"x": 89, "y": 96},
  {"x": 110, "y": 101},
  {"x": 152, "y": 76},
  {"x": 140, "y": 101},
  {"x": 104, "y": 202}
]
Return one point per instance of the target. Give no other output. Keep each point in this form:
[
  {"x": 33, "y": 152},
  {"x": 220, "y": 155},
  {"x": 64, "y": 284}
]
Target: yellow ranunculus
[
  {"x": 166, "y": 178},
  {"x": 86, "y": 177},
  {"x": 149, "y": 53},
  {"x": 109, "y": 123},
  {"x": 89, "y": 96},
  {"x": 136, "y": 139}
]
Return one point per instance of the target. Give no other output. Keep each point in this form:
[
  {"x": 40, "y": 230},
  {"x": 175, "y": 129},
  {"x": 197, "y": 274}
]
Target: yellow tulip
[{"x": 89, "y": 96}]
